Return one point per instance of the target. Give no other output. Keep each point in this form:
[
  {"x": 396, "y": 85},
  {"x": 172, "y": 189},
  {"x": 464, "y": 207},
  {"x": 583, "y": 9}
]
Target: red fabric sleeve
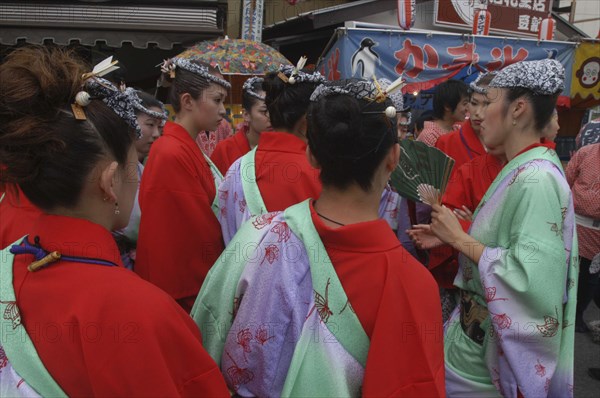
[
  {"x": 406, "y": 357},
  {"x": 219, "y": 157},
  {"x": 104, "y": 332}
]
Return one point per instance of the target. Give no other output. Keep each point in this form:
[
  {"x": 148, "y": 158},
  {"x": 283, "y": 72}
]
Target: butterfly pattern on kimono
[{"x": 322, "y": 304}]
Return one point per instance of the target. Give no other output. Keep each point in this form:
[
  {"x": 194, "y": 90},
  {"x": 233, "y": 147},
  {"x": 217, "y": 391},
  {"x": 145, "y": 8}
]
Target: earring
[
  {"x": 104, "y": 199},
  {"x": 117, "y": 211},
  {"x": 514, "y": 122}
]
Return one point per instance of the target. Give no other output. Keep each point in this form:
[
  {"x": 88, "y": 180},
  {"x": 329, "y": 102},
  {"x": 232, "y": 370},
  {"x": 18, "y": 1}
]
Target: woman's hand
[
  {"x": 445, "y": 225},
  {"x": 464, "y": 214},
  {"x": 423, "y": 238}
]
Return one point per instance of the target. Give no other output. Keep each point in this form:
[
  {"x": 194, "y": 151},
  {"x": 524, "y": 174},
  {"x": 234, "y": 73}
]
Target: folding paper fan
[{"x": 422, "y": 173}]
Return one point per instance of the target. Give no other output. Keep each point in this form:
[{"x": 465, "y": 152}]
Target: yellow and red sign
[{"x": 585, "y": 85}]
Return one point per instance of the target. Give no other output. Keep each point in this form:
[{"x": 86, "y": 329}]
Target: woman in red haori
[
  {"x": 180, "y": 236},
  {"x": 276, "y": 174},
  {"x": 75, "y": 322},
  {"x": 256, "y": 120}
]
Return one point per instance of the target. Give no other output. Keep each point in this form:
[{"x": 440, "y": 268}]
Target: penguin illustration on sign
[{"x": 365, "y": 59}]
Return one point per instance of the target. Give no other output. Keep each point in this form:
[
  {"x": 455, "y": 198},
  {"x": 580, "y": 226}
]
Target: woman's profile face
[
  {"x": 150, "y": 127},
  {"x": 127, "y": 189},
  {"x": 258, "y": 117},
  {"x": 210, "y": 108},
  {"x": 494, "y": 129}
]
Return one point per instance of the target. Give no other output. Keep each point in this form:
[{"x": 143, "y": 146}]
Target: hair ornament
[
  {"x": 137, "y": 104},
  {"x": 297, "y": 69},
  {"x": 390, "y": 111},
  {"x": 248, "y": 87},
  {"x": 542, "y": 77},
  {"x": 83, "y": 98},
  {"x": 119, "y": 102},
  {"x": 102, "y": 68},
  {"x": 170, "y": 66},
  {"x": 475, "y": 87},
  {"x": 294, "y": 74},
  {"x": 406, "y": 112}
]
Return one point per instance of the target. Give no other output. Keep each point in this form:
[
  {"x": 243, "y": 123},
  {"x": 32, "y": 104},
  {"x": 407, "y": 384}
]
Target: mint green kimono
[{"x": 513, "y": 329}]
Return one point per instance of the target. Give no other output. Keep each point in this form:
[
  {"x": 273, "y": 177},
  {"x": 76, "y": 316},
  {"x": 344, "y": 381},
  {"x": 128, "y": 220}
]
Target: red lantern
[
  {"x": 406, "y": 14},
  {"x": 481, "y": 22},
  {"x": 547, "y": 28}
]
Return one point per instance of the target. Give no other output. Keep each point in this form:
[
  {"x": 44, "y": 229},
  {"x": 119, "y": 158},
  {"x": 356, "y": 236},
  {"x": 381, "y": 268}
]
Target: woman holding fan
[{"x": 512, "y": 333}]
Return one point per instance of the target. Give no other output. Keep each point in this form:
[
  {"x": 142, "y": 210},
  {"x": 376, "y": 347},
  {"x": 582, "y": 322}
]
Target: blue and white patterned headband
[
  {"x": 359, "y": 89},
  {"x": 408, "y": 115},
  {"x": 287, "y": 71},
  {"x": 119, "y": 102},
  {"x": 396, "y": 97},
  {"x": 474, "y": 85},
  {"x": 542, "y": 77},
  {"x": 248, "y": 87},
  {"x": 172, "y": 64},
  {"x": 137, "y": 104}
]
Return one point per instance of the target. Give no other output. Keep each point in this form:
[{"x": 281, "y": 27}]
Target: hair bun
[{"x": 50, "y": 81}]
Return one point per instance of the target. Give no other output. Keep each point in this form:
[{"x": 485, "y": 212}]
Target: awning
[{"x": 88, "y": 24}]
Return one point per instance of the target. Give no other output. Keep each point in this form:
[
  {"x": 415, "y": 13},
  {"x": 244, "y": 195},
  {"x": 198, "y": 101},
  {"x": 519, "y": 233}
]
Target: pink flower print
[
  {"x": 502, "y": 321},
  {"x": 271, "y": 254},
  {"x": 540, "y": 369},
  {"x": 547, "y": 385},
  {"x": 223, "y": 195},
  {"x": 238, "y": 375},
  {"x": 490, "y": 295},
  {"x": 262, "y": 335},
  {"x": 3, "y": 359},
  {"x": 263, "y": 220},
  {"x": 282, "y": 230},
  {"x": 244, "y": 337}
]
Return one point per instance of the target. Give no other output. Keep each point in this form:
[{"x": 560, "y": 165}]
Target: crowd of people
[{"x": 281, "y": 262}]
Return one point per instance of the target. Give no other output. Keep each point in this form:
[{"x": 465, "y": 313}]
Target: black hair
[
  {"x": 188, "y": 82},
  {"x": 43, "y": 148},
  {"x": 286, "y": 103},
  {"x": 426, "y": 116},
  {"x": 248, "y": 101},
  {"x": 448, "y": 94},
  {"x": 543, "y": 105},
  {"x": 349, "y": 144},
  {"x": 148, "y": 101}
]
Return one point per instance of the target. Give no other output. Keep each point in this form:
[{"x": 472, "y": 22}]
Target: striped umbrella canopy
[{"x": 237, "y": 56}]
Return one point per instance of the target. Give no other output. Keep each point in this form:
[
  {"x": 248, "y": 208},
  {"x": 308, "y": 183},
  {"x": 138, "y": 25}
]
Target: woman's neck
[
  {"x": 188, "y": 125},
  {"x": 253, "y": 137},
  {"x": 519, "y": 140},
  {"x": 348, "y": 206}
]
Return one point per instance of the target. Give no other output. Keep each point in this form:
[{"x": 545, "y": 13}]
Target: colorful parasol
[{"x": 237, "y": 56}]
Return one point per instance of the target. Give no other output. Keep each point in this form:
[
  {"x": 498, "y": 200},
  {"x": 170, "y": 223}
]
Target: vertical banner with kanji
[
  {"x": 252, "y": 19},
  {"x": 427, "y": 59},
  {"x": 586, "y": 73}
]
